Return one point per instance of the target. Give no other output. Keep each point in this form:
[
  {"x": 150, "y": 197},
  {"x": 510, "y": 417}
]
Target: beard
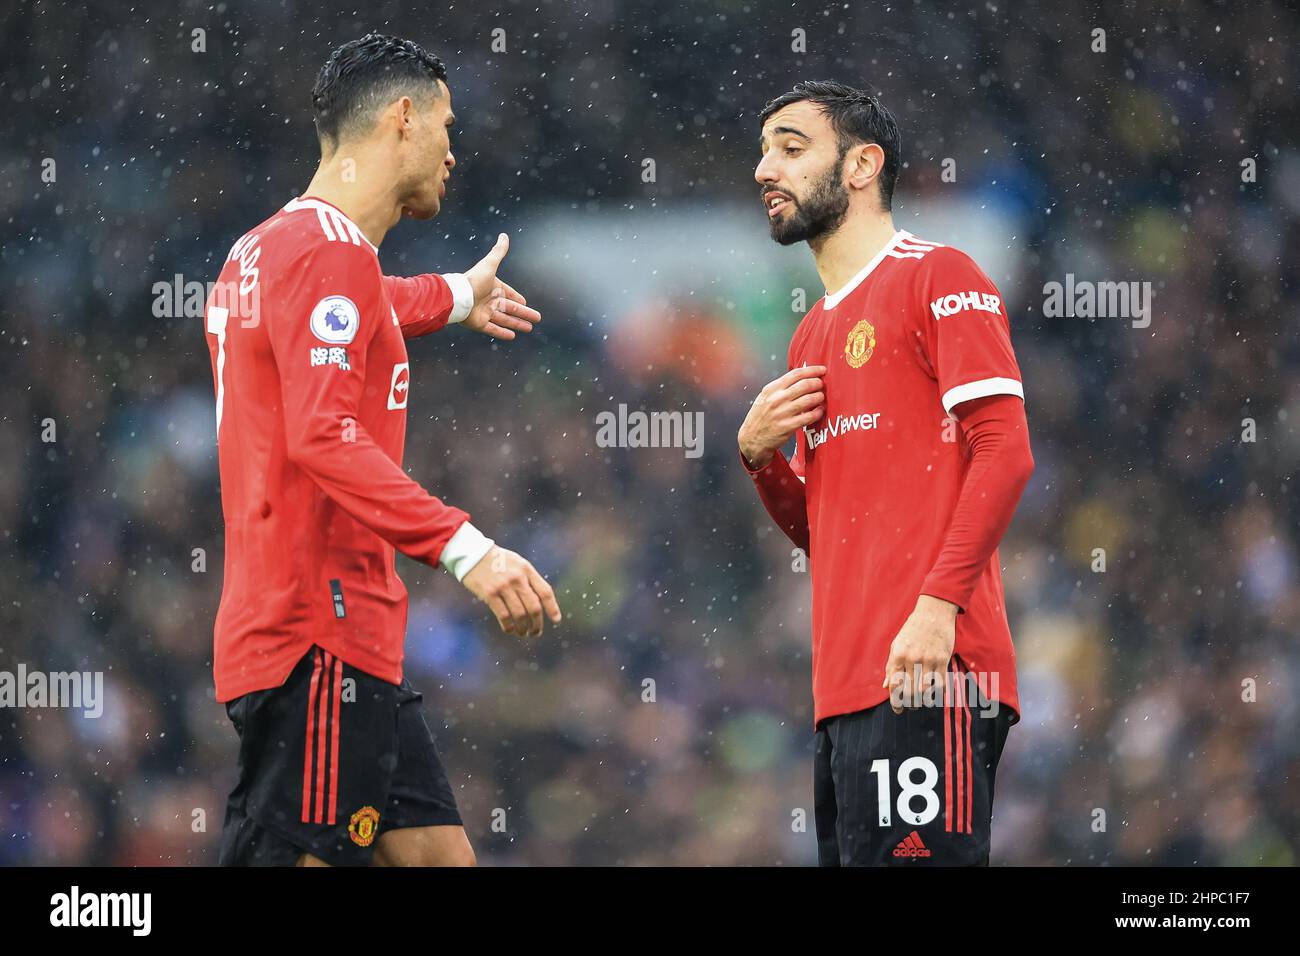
[{"x": 818, "y": 214}]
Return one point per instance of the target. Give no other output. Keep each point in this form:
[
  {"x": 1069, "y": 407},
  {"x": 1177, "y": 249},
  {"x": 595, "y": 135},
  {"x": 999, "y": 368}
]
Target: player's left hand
[
  {"x": 499, "y": 311},
  {"x": 918, "y": 658}
]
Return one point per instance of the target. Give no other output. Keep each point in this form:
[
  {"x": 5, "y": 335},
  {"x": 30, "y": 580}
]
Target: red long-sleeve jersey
[
  {"x": 307, "y": 340},
  {"x": 899, "y": 499}
]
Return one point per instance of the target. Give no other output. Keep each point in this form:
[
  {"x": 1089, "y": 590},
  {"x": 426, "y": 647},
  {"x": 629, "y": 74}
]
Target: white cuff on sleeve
[
  {"x": 462, "y": 296},
  {"x": 981, "y": 389},
  {"x": 465, "y": 549}
]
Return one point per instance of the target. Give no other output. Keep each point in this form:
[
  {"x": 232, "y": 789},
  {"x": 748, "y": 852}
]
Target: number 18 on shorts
[{"x": 909, "y": 789}]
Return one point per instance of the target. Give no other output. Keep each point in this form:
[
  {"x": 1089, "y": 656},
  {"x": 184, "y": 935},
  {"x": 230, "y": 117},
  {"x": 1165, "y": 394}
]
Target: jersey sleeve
[
  {"x": 331, "y": 300},
  {"x": 427, "y": 303},
  {"x": 1000, "y": 466},
  {"x": 780, "y": 485},
  {"x": 965, "y": 333},
  {"x": 782, "y": 492}
]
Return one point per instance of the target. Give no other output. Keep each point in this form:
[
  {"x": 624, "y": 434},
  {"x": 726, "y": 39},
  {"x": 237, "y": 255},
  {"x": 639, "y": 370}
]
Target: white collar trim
[
  {"x": 333, "y": 211},
  {"x": 834, "y": 299}
]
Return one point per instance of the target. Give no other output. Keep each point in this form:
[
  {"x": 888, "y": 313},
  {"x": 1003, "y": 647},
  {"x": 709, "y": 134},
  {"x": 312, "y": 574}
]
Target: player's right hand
[
  {"x": 514, "y": 591},
  {"x": 784, "y": 406},
  {"x": 499, "y": 311}
]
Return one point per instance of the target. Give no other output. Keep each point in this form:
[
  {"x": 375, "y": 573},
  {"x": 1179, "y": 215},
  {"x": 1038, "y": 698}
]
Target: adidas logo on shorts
[{"x": 911, "y": 845}]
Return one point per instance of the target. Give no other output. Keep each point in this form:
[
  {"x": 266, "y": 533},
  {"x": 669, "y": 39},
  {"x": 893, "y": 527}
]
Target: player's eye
[{"x": 792, "y": 150}]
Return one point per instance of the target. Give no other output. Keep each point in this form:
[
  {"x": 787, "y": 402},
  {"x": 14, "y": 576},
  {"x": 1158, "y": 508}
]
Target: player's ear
[
  {"x": 865, "y": 163},
  {"x": 403, "y": 109}
]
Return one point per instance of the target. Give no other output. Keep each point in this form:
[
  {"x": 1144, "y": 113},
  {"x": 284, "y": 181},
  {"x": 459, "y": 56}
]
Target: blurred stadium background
[{"x": 1123, "y": 165}]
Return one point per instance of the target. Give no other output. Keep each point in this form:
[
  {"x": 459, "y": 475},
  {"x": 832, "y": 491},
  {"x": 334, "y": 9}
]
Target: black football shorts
[
  {"x": 328, "y": 761},
  {"x": 910, "y": 789}
]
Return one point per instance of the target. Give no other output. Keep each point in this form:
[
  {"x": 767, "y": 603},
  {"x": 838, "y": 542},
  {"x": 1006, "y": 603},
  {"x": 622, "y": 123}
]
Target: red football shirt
[
  {"x": 307, "y": 339},
  {"x": 918, "y": 331}
]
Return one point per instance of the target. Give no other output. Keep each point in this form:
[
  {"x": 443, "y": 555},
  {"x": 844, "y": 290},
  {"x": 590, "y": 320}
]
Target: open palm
[{"x": 499, "y": 311}]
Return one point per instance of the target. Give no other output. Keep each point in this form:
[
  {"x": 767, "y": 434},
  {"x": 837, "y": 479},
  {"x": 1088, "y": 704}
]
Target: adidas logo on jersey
[{"x": 911, "y": 846}]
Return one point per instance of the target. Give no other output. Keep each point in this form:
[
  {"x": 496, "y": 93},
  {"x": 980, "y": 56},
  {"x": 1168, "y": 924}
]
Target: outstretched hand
[{"x": 499, "y": 311}]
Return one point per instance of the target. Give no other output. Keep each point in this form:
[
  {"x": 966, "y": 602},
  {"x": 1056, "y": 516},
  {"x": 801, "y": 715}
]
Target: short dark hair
[
  {"x": 362, "y": 75},
  {"x": 856, "y": 116}
]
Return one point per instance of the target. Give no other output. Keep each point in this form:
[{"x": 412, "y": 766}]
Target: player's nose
[
  {"x": 764, "y": 173},
  {"x": 451, "y": 161}
]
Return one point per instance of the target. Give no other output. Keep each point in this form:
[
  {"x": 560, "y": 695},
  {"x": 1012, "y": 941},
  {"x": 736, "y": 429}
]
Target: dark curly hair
[
  {"x": 857, "y": 117},
  {"x": 363, "y": 75}
]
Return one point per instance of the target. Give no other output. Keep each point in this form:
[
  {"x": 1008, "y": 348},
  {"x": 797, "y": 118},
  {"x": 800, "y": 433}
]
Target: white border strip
[
  {"x": 293, "y": 205},
  {"x": 981, "y": 389},
  {"x": 462, "y": 296},
  {"x": 466, "y": 548}
]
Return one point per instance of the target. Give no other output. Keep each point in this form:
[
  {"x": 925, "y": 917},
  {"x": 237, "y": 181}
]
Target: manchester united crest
[
  {"x": 861, "y": 343},
  {"x": 363, "y": 826}
]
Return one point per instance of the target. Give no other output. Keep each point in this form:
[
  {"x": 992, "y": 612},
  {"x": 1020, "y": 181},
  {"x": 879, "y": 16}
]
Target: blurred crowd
[{"x": 668, "y": 720}]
